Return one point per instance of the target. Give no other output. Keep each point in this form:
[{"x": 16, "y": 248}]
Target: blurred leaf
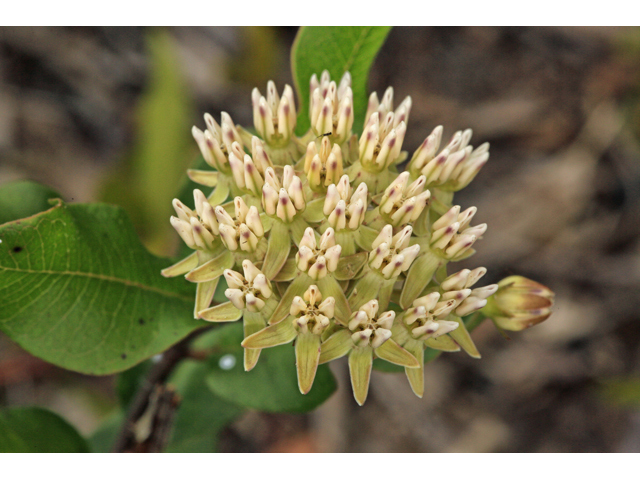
[
  {"x": 23, "y": 199},
  {"x": 128, "y": 382},
  {"x": 80, "y": 291},
  {"x": 624, "y": 392},
  {"x": 201, "y": 414},
  {"x": 337, "y": 49},
  {"x": 257, "y": 59},
  {"x": 148, "y": 178},
  {"x": 36, "y": 430},
  {"x": 104, "y": 438},
  {"x": 272, "y": 385}
]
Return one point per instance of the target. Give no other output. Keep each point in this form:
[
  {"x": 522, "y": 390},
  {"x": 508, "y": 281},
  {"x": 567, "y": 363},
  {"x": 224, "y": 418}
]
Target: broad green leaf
[
  {"x": 272, "y": 385},
  {"x": 337, "y": 49},
  {"x": 201, "y": 414},
  {"x": 23, "y": 199},
  {"x": 36, "y": 430},
  {"x": 79, "y": 290}
]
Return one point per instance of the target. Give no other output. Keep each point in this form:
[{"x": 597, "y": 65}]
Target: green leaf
[
  {"x": 23, "y": 199},
  {"x": 336, "y": 49},
  {"x": 36, "y": 430},
  {"x": 272, "y": 385},
  {"x": 201, "y": 414},
  {"x": 79, "y": 290}
]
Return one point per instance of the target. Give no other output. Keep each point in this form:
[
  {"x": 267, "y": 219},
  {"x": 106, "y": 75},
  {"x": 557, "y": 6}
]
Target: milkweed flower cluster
[{"x": 323, "y": 242}]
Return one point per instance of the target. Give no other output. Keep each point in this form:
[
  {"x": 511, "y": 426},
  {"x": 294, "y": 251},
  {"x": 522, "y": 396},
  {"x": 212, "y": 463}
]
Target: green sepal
[
  {"x": 348, "y": 267},
  {"x": 366, "y": 289},
  {"x": 360, "y": 364},
  {"x": 208, "y": 178},
  {"x": 466, "y": 254},
  {"x": 297, "y": 228},
  {"x": 394, "y": 353},
  {"x": 462, "y": 337},
  {"x": 365, "y": 236},
  {"x": 313, "y": 212},
  {"x": 278, "y": 334},
  {"x": 329, "y": 287},
  {"x": 418, "y": 277},
  {"x": 346, "y": 239},
  {"x": 443, "y": 343},
  {"x": 221, "y": 192},
  {"x": 266, "y": 220},
  {"x": 225, "y": 312},
  {"x": 212, "y": 269},
  {"x": 204, "y": 295},
  {"x": 416, "y": 375},
  {"x": 253, "y": 322},
  {"x": 336, "y": 346},
  {"x": 422, "y": 224},
  {"x": 288, "y": 271},
  {"x": 384, "y": 297},
  {"x": 183, "y": 266},
  {"x": 278, "y": 249},
  {"x": 296, "y": 288},
  {"x": 307, "y": 356}
]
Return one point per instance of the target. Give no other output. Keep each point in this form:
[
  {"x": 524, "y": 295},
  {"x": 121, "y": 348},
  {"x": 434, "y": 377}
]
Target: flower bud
[{"x": 519, "y": 303}]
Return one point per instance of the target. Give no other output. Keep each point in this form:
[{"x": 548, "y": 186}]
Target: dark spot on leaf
[
  {"x": 123, "y": 356},
  {"x": 17, "y": 249},
  {"x": 141, "y": 321}
]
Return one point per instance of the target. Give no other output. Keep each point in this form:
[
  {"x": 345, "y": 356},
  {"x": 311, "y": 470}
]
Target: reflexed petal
[
  {"x": 277, "y": 334},
  {"x": 444, "y": 343},
  {"x": 253, "y": 322},
  {"x": 394, "y": 353},
  {"x": 204, "y": 295},
  {"x": 360, "y": 363},
  {"x": 348, "y": 267},
  {"x": 224, "y": 312},
  {"x": 212, "y": 269},
  {"x": 416, "y": 375},
  {"x": 307, "y": 356},
  {"x": 462, "y": 337},
  {"x": 295, "y": 289},
  {"x": 208, "y": 178},
  {"x": 183, "y": 266},
  {"x": 331, "y": 288},
  {"x": 336, "y": 346},
  {"x": 277, "y": 250},
  {"x": 418, "y": 277}
]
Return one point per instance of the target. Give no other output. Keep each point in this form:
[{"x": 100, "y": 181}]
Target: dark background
[{"x": 80, "y": 107}]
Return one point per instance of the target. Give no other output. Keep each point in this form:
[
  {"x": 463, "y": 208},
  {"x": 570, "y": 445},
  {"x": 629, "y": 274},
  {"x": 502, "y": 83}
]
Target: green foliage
[
  {"x": 271, "y": 386},
  {"x": 337, "y": 49},
  {"x": 201, "y": 414},
  {"x": 23, "y": 199},
  {"x": 80, "y": 291},
  {"x": 149, "y": 176},
  {"x": 623, "y": 392},
  {"x": 36, "y": 430}
]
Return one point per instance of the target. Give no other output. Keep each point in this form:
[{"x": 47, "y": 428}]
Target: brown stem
[{"x": 126, "y": 439}]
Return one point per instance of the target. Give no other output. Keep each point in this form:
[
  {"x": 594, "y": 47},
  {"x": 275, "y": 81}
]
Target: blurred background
[{"x": 104, "y": 114}]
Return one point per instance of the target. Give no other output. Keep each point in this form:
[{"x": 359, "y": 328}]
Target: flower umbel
[{"x": 324, "y": 242}]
